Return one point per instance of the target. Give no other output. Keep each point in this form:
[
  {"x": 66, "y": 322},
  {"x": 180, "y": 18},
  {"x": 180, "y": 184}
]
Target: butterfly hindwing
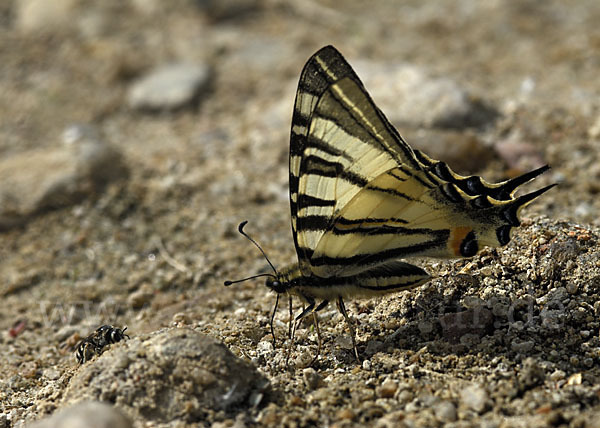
[{"x": 392, "y": 218}]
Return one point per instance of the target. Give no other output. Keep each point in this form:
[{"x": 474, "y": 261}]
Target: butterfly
[{"x": 361, "y": 199}]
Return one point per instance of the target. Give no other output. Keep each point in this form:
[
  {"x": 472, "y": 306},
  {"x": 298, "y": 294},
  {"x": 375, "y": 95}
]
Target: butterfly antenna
[
  {"x": 228, "y": 283},
  {"x": 241, "y": 230}
]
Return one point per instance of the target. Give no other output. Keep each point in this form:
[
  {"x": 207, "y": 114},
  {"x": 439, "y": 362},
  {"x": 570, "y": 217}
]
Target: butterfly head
[{"x": 276, "y": 284}]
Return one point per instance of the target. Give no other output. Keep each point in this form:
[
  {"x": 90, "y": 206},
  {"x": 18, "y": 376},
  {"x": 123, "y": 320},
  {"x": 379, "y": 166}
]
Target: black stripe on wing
[
  {"x": 369, "y": 220},
  {"x": 385, "y": 229},
  {"x": 438, "y": 239},
  {"x": 332, "y": 170},
  {"x": 305, "y": 201},
  {"x": 312, "y": 222}
]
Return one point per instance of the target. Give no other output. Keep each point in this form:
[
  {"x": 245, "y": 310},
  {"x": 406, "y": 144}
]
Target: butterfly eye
[
  {"x": 276, "y": 285},
  {"x": 272, "y": 283}
]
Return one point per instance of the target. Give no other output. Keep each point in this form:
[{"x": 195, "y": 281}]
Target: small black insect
[{"x": 95, "y": 343}]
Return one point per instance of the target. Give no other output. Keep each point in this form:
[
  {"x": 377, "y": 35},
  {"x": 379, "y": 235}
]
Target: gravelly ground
[{"x": 118, "y": 213}]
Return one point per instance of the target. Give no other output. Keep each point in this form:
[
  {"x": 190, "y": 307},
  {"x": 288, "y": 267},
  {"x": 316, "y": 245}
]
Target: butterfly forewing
[
  {"x": 348, "y": 145},
  {"x": 321, "y": 70}
]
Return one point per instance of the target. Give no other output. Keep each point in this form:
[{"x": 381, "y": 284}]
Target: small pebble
[
  {"x": 474, "y": 397},
  {"x": 344, "y": 341},
  {"x": 405, "y": 396},
  {"x": 312, "y": 379},
  {"x": 486, "y": 270},
  {"x": 557, "y": 375},
  {"x": 180, "y": 318},
  {"x": 445, "y": 411},
  {"x": 588, "y": 362},
  {"x": 346, "y": 414},
  {"x": 425, "y": 327},
  {"x": 373, "y": 346},
  {"x": 387, "y": 389},
  {"x": 413, "y": 407},
  {"x": 522, "y": 347},
  {"x": 296, "y": 401},
  {"x": 51, "y": 373},
  {"x": 572, "y": 287},
  {"x": 594, "y": 130},
  {"x": 265, "y": 347},
  {"x": 366, "y": 365},
  {"x": 303, "y": 358},
  {"x": 472, "y": 302},
  {"x": 575, "y": 379}
]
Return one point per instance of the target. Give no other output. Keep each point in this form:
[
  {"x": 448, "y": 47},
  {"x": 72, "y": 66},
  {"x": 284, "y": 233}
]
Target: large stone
[
  {"x": 169, "y": 87},
  {"x": 170, "y": 374},
  {"x": 85, "y": 415},
  {"x": 37, "y": 180},
  {"x": 409, "y": 94}
]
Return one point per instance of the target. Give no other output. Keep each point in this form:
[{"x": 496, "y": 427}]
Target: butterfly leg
[
  {"x": 342, "y": 309},
  {"x": 291, "y": 319},
  {"x": 316, "y": 322},
  {"x": 308, "y": 309},
  {"x": 305, "y": 312},
  {"x": 272, "y": 319}
]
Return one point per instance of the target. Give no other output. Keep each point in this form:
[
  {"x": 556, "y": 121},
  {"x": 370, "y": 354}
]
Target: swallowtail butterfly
[{"x": 362, "y": 198}]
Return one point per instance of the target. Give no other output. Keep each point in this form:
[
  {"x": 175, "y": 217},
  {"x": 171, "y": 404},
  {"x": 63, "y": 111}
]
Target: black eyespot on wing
[
  {"x": 442, "y": 171},
  {"x": 500, "y": 194},
  {"x": 510, "y": 215},
  {"x": 481, "y": 202},
  {"x": 503, "y": 234},
  {"x": 469, "y": 246},
  {"x": 473, "y": 186},
  {"x": 450, "y": 192}
]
